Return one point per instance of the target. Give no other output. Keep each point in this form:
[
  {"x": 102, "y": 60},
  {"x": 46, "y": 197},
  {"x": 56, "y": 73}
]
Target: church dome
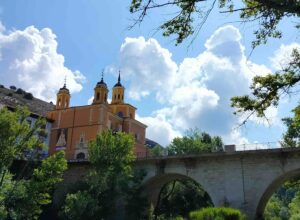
[
  {"x": 64, "y": 89},
  {"x": 101, "y": 83}
]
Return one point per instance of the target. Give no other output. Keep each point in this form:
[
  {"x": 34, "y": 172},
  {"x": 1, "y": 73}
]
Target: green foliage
[
  {"x": 112, "y": 153},
  {"x": 274, "y": 209},
  {"x": 179, "y": 197},
  {"x": 80, "y": 204},
  {"x": 135, "y": 202},
  {"x": 217, "y": 214},
  {"x": 16, "y": 136},
  {"x": 24, "y": 198},
  {"x": 292, "y": 136},
  {"x": 294, "y": 207},
  {"x": 192, "y": 14},
  {"x": 111, "y": 177},
  {"x": 195, "y": 142},
  {"x": 284, "y": 203},
  {"x": 267, "y": 90},
  {"x": 157, "y": 150}
]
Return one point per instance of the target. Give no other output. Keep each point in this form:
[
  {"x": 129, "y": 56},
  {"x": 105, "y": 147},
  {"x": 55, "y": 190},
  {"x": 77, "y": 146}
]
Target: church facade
[{"x": 74, "y": 127}]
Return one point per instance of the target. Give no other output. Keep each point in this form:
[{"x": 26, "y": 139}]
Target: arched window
[
  {"x": 66, "y": 103},
  {"x": 80, "y": 156},
  {"x": 118, "y": 96},
  {"x": 98, "y": 96},
  {"x": 59, "y": 102},
  {"x": 120, "y": 114}
]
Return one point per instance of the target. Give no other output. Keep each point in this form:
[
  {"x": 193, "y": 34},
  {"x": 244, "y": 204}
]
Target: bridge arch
[
  {"x": 275, "y": 184},
  {"x": 154, "y": 186}
]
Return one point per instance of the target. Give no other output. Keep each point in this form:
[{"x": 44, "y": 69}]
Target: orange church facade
[{"x": 74, "y": 127}]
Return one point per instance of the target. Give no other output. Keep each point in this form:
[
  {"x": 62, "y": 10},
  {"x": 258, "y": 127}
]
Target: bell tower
[
  {"x": 63, "y": 97},
  {"x": 118, "y": 92},
  {"x": 100, "y": 92}
]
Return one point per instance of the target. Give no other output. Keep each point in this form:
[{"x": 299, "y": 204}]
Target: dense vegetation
[
  {"x": 285, "y": 202},
  {"x": 179, "y": 197},
  {"x": 111, "y": 177},
  {"x": 23, "y": 195},
  {"x": 193, "y": 142}
]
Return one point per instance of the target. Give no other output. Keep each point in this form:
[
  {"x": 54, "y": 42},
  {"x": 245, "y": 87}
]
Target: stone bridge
[{"x": 242, "y": 179}]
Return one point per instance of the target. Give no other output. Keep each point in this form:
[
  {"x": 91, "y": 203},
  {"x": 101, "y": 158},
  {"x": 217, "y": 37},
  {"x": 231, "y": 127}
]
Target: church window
[
  {"x": 59, "y": 102},
  {"x": 98, "y": 96},
  {"x": 118, "y": 96},
  {"x": 115, "y": 96},
  {"x": 66, "y": 104}
]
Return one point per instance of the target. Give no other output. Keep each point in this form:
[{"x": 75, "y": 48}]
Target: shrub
[
  {"x": 13, "y": 87},
  {"x": 217, "y": 214},
  {"x": 28, "y": 96},
  {"x": 20, "y": 91}
]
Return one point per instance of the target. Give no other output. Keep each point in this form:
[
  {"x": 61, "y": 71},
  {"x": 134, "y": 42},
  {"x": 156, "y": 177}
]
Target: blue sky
[{"x": 173, "y": 87}]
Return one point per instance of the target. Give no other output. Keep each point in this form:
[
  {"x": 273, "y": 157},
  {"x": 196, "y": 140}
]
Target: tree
[
  {"x": 267, "y": 90},
  {"x": 22, "y": 197},
  {"x": 179, "y": 197},
  {"x": 192, "y": 14},
  {"x": 195, "y": 142},
  {"x": 295, "y": 207},
  {"x": 284, "y": 203},
  {"x": 157, "y": 150},
  {"x": 111, "y": 177},
  {"x": 292, "y": 136},
  {"x": 16, "y": 137},
  {"x": 273, "y": 209}
]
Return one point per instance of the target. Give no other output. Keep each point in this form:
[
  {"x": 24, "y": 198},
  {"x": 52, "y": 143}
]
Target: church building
[{"x": 74, "y": 127}]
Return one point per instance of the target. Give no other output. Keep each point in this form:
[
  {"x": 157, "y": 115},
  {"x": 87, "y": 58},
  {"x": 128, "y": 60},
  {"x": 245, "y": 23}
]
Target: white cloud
[
  {"x": 282, "y": 56},
  {"x": 196, "y": 92},
  {"x": 159, "y": 129},
  {"x": 271, "y": 120},
  {"x": 90, "y": 100},
  {"x": 148, "y": 66},
  {"x": 29, "y": 60}
]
